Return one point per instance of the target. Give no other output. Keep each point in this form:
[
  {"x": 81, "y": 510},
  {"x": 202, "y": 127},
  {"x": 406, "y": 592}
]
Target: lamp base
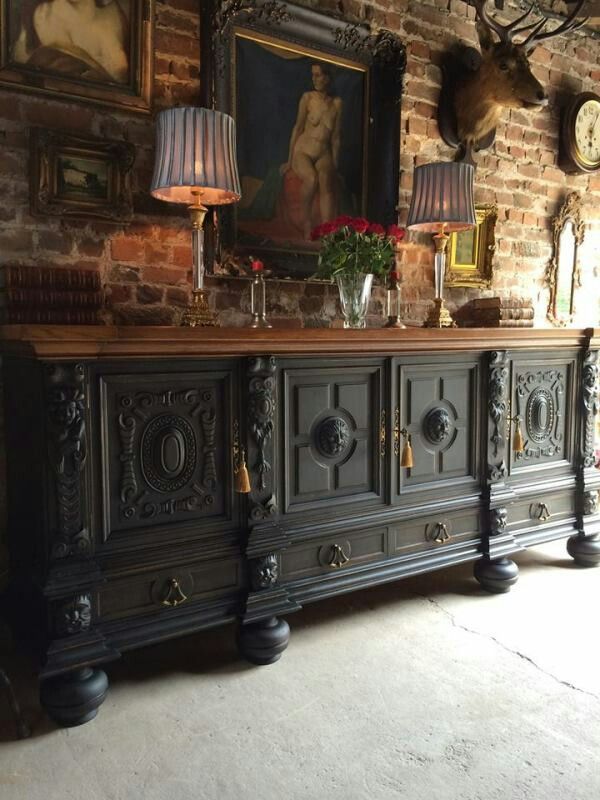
[
  {"x": 198, "y": 314},
  {"x": 439, "y": 316}
]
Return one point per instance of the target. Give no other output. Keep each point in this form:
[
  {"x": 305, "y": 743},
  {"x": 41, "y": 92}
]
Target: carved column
[
  {"x": 66, "y": 406},
  {"x": 73, "y": 694},
  {"x": 584, "y": 547},
  {"x": 494, "y": 571},
  {"x": 261, "y": 405},
  {"x": 262, "y": 637}
]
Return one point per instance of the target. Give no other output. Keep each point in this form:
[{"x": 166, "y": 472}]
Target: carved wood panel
[
  {"x": 165, "y": 449},
  {"x": 437, "y": 411},
  {"x": 332, "y": 437},
  {"x": 541, "y": 399}
]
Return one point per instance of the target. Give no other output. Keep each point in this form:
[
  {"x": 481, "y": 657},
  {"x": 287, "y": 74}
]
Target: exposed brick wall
[{"x": 146, "y": 265}]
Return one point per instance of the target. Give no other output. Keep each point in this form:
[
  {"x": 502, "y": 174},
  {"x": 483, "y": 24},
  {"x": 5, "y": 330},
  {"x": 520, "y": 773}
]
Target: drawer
[
  {"x": 436, "y": 531},
  {"x": 542, "y": 509},
  {"x": 334, "y": 554},
  {"x": 168, "y": 589}
]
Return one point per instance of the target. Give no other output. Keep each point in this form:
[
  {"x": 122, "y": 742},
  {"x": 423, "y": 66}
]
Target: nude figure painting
[{"x": 301, "y": 142}]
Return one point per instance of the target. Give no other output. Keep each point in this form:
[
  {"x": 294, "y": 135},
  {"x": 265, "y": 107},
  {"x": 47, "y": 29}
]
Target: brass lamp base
[
  {"x": 198, "y": 314},
  {"x": 439, "y": 316}
]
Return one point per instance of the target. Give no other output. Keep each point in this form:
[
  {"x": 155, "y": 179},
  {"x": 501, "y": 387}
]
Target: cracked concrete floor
[{"x": 427, "y": 689}]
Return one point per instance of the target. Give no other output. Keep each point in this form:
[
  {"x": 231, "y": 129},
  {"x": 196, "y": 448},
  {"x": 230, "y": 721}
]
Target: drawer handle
[
  {"x": 543, "y": 512},
  {"x": 442, "y": 536},
  {"x": 337, "y": 558},
  {"x": 174, "y": 597}
]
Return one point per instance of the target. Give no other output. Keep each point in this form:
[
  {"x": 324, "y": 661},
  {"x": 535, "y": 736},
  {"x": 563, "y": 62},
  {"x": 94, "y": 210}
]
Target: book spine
[
  {"x": 39, "y": 316},
  {"x": 49, "y": 299},
  {"x": 51, "y": 278}
]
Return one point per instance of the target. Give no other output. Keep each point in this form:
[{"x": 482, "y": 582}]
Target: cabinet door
[
  {"x": 164, "y": 454},
  {"x": 543, "y": 399},
  {"x": 437, "y": 409},
  {"x": 332, "y": 452}
]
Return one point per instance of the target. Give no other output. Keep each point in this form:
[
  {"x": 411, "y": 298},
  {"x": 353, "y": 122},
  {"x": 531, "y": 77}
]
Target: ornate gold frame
[
  {"x": 478, "y": 271},
  {"x": 45, "y": 197},
  {"x": 570, "y": 211}
]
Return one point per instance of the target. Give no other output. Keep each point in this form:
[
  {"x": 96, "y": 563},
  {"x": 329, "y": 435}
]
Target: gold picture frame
[
  {"x": 471, "y": 252},
  {"x": 107, "y": 59},
  {"x": 80, "y": 177}
]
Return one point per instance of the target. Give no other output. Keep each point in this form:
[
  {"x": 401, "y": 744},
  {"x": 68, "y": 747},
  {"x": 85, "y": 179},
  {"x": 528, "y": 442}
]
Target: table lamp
[
  {"x": 195, "y": 163},
  {"x": 441, "y": 203}
]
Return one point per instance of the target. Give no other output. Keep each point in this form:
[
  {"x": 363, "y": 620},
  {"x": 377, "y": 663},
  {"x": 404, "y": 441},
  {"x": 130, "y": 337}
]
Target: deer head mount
[{"x": 477, "y": 86}]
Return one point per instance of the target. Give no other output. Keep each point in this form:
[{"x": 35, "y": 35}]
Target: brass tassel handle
[
  {"x": 240, "y": 470},
  {"x": 518, "y": 442},
  {"x": 406, "y": 460}
]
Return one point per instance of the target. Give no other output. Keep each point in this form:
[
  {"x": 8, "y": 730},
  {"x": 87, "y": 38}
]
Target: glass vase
[{"x": 355, "y": 292}]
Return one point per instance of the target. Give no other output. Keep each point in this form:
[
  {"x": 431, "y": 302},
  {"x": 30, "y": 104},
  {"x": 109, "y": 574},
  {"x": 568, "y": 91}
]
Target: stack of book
[
  {"x": 49, "y": 295},
  {"x": 496, "y": 312}
]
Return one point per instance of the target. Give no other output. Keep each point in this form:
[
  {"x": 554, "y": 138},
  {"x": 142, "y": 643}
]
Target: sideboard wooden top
[{"x": 102, "y": 341}]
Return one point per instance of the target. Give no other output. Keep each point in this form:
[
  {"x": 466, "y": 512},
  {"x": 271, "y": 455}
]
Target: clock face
[{"x": 587, "y": 132}]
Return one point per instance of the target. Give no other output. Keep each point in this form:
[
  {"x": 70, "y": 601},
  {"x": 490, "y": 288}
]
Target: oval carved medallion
[
  {"x": 540, "y": 415},
  {"x": 168, "y": 453},
  {"x": 332, "y": 436}
]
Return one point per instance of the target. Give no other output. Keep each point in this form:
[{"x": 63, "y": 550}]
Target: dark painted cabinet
[{"x": 125, "y": 455}]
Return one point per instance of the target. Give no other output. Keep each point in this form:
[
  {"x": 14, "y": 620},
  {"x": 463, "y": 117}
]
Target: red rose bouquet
[{"x": 351, "y": 245}]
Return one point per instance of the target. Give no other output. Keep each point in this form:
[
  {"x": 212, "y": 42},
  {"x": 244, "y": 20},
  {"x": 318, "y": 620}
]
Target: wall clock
[{"x": 580, "y": 134}]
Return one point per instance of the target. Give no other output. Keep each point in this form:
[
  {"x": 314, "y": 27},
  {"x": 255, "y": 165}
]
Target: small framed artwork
[
  {"x": 93, "y": 50},
  {"x": 316, "y": 102},
  {"x": 73, "y": 176},
  {"x": 471, "y": 252}
]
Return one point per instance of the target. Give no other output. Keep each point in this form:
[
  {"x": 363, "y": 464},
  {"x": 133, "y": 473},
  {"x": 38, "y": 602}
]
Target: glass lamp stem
[
  {"x": 441, "y": 242},
  {"x": 197, "y": 214}
]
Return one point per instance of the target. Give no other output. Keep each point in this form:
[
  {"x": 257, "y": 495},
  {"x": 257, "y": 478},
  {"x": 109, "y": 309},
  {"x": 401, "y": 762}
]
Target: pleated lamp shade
[
  {"x": 195, "y": 151},
  {"x": 442, "y": 195}
]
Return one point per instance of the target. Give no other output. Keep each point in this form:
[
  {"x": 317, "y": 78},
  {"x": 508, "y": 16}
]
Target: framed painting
[
  {"x": 316, "y": 103},
  {"x": 73, "y": 176},
  {"x": 471, "y": 252},
  {"x": 92, "y": 50}
]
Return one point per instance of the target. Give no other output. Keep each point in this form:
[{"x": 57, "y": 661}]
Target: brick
[
  {"x": 149, "y": 294},
  {"x": 123, "y": 249},
  {"x": 118, "y": 293},
  {"x": 91, "y": 247},
  {"x": 164, "y": 276}
]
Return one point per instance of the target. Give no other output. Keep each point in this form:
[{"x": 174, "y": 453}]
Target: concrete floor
[{"x": 427, "y": 689}]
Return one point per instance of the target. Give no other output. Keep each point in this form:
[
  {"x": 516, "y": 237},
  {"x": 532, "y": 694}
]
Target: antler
[
  {"x": 506, "y": 33},
  {"x": 570, "y": 23}
]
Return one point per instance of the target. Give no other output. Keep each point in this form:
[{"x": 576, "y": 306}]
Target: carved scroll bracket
[{"x": 66, "y": 405}]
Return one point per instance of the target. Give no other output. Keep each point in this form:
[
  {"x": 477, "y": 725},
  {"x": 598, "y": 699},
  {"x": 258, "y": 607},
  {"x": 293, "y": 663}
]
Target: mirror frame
[{"x": 570, "y": 212}]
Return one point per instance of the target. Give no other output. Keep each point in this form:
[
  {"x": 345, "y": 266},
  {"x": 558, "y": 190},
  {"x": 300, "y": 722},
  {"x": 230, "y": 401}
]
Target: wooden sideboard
[{"x": 123, "y": 445}]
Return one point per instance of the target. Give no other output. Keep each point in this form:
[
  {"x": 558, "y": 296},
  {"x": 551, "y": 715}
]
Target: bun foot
[
  {"x": 263, "y": 642},
  {"x": 584, "y": 550},
  {"x": 74, "y": 698},
  {"x": 496, "y": 575}
]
